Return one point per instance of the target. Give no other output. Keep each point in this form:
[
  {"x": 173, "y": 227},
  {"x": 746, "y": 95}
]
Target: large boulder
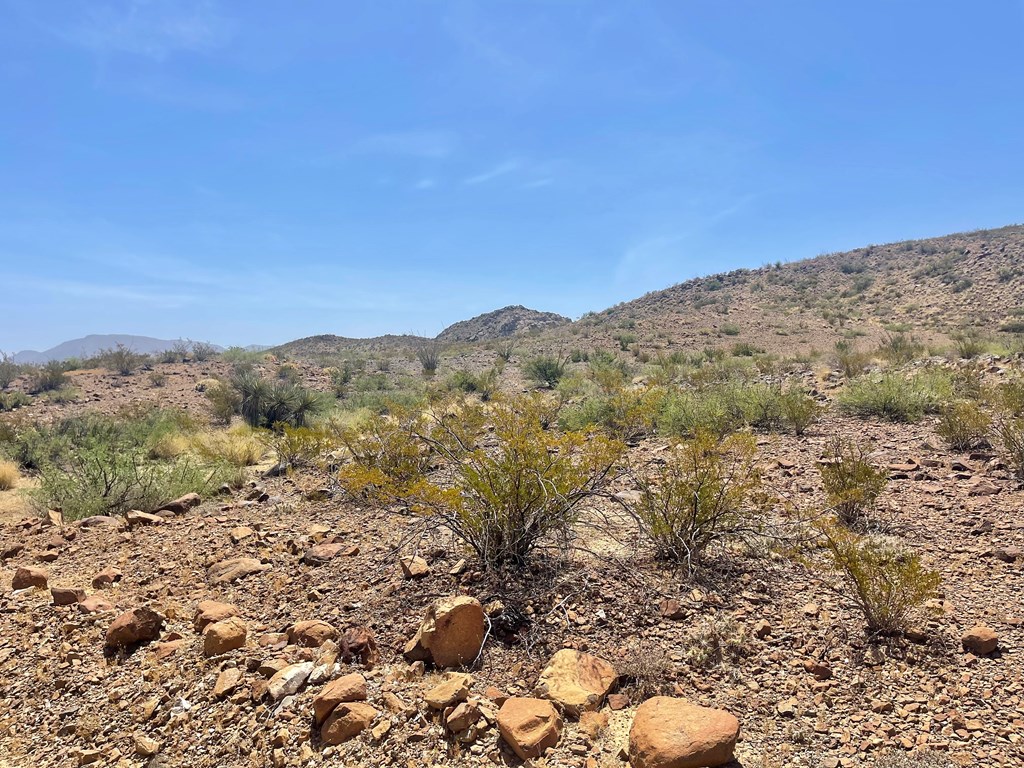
[
  {"x": 529, "y": 726},
  {"x": 577, "y": 682},
  {"x": 980, "y": 640},
  {"x": 675, "y": 733},
  {"x": 135, "y": 626},
  {"x": 451, "y": 634},
  {"x": 347, "y": 721}
]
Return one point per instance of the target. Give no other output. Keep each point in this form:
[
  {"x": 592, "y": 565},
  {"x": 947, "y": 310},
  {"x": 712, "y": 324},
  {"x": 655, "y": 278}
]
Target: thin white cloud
[
  {"x": 151, "y": 28},
  {"x": 424, "y": 184},
  {"x": 502, "y": 169}
]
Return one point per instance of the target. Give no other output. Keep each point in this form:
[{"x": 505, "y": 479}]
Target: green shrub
[
  {"x": 885, "y": 583},
  {"x": 851, "y": 482},
  {"x": 1010, "y": 431},
  {"x": 9, "y": 370},
  {"x": 900, "y": 348},
  {"x": 387, "y": 457},
  {"x": 730, "y": 329},
  {"x": 201, "y": 351},
  {"x": 714, "y": 409},
  {"x": 48, "y": 377},
  {"x": 266, "y": 403},
  {"x": 970, "y": 342},
  {"x": 121, "y": 359},
  {"x": 850, "y": 361},
  {"x": 10, "y": 401},
  {"x": 627, "y": 414},
  {"x": 707, "y": 491},
  {"x": 62, "y": 395},
  {"x": 300, "y": 446},
  {"x": 545, "y": 370},
  {"x": 529, "y": 489},
  {"x": 429, "y": 356},
  {"x": 484, "y": 384},
  {"x": 505, "y": 348},
  {"x": 799, "y": 410},
  {"x": 888, "y": 396},
  {"x": 225, "y": 401},
  {"x": 608, "y": 371},
  {"x": 964, "y": 425},
  {"x": 157, "y": 379}
]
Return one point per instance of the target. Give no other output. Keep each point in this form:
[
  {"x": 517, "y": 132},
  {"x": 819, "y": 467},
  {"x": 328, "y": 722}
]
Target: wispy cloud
[
  {"x": 502, "y": 169},
  {"x": 151, "y": 28},
  {"x": 424, "y": 184}
]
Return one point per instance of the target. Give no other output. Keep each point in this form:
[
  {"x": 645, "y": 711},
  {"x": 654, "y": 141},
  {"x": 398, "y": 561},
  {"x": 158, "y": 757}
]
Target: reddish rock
[
  {"x": 135, "y": 518},
  {"x": 346, "y": 722},
  {"x": 451, "y": 634},
  {"x": 322, "y": 553},
  {"x": 106, "y": 577},
  {"x": 414, "y": 567},
  {"x": 95, "y": 604},
  {"x": 30, "y": 576},
  {"x": 359, "y": 644},
  {"x": 228, "y": 571},
  {"x": 183, "y": 504},
  {"x": 66, "y": 595},
  {"x": 344, "y": 690},
  {"x": 135, "y": 626},
  {"x": 210, "y": 611},
  {"x": 980, "y": 640}
]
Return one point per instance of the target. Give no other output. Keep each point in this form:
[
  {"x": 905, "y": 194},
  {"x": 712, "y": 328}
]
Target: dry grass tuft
[
  {"x": 240, "y": 447},
  {"x": 9, "y": 475}
]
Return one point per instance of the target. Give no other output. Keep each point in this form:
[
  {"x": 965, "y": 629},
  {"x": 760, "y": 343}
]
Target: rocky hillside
[
  {"x": 930, "y": 288},
  {"x": 501, "y": 323}
]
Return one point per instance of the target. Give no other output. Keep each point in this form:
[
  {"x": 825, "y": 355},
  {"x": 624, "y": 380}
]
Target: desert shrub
[
  {"x": 713, "y": 409},
  {"x": 178, "y": 352},
  {"x": 964, "y": 425},
  {"x": 646, "y": 671},
  {"x": 300, "y": 446},
  {"x": 9, "y": 475},
  {"x": 899, "y": 348},
  {"x": 157, "y": 379},
  {"x": 852, "y": 484},
  {"x": 238, "y": 447},
  {"x": 926, "y": 759},
  {"x": 730, "y": 329},
  {"x": 386, "y": 456},
  {"x": 290, "y": 373},
  {"x": 49, "y": 377},
  {"x": 10, "y": 401},
  {"x": 266, "y": 403},
  {"x": 969, "y": 343},
  {"x": 707, "y": 491},
  {"x": 761, "y": 405},
  {"x": 201, "y": 351},
  {"x": 889, "y": 396},
  {"x": 627, "y": 414},
  {"x": 483, "y": 384},
  {"x": 1010, "y": 433},
  {"x": 799, "y": 410},
  {"x": 94, "y": 464},
  {"x": 62, "y": 395},
  {"x": 505, "y": 349},
  {"x": 625, "y": 339},
  {"x": 887, "y": 584},
  {"x": 168, "y": 444},
  {"x": 340, "y": 378},
  {"x": 608, "y": 371},
  {"x": 121, "y": 359},
  {"x": 505, "y": 501},
  {"x": 225, "y": 401},
  {"x": 9, "y": 370},
  {"x": 545, "y": 370},
  {"x": 850, "y": 361},
  {"x": 429, "y": 356}
]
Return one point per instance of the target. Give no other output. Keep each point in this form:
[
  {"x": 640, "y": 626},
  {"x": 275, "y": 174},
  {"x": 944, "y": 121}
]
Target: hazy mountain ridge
[{"x": 93, "y": 344}]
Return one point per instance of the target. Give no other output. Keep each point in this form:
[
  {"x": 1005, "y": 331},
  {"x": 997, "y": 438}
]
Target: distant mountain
[
  {"x": 91, "y": 345},
  {"x": 508, "y": 321}
]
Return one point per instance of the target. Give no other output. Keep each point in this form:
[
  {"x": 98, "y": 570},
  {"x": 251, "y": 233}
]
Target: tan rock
[
  {"x": 183, "y": 504},
  {"x": 319, "y": 554},
  {"x": 30, "y": 576},
  {"x": 675, "y": 733},
  {"x": 414, "y": 567},
  {"x": 593, "y": 724},
  {"x": 241, "y": 533},
  {"x": 311, "y": 634},
  {"x": 135, "y": 518},
  {"x": 453, "y": 689},
  {"x": 95, "y": 604},
  {"x": 463, "y": 716},
  {"x": 145, "y": 746},
  {"x": 227, "y": 682},
  {"x": 347, "y": 721},
  {"x": 344, "y": 690},
  {"x": 289, "y": 680},
  {"x": 134, "y": 626},
  {"x": 210, "y": 611},
  {"x": 224, "y": 636},
  {"x": 451, "y": 634},
  {"x": 529, "y": 726},
  {"x": 228, "y": 571},
  {"x": 106, "y": 577},
  {"x": 980, "y": 640},
  {"x": 576, "y": 681}
]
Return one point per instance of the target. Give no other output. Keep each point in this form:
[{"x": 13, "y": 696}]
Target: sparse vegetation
[
  {"x": 545, "y": 370},
  {"x": 9, "y": 475},
  {"x": 429, "y": 356},
  {"x": 49, "y": 377},
  {"x": 852, "y": 483},
  {"x": 964, "y": 425}
]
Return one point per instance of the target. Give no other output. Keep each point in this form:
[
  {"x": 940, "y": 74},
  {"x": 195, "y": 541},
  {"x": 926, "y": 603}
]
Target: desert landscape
[{"x": 764, "y": 518}]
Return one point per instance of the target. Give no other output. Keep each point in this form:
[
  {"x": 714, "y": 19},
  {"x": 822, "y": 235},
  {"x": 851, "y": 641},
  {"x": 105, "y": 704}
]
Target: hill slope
[
  {"x": 508, "y": 321},
  {"x": 93, "y": 344}
]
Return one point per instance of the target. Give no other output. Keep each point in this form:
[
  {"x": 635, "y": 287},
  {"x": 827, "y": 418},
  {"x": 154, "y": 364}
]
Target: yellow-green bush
[
  {"x": 9, "y": 475},
  {"x": 851, "y": 482},
  {"x": 708, "y": 490},
  {"x": 964, "y": 425},
  {"x": 240, "y": 446}
]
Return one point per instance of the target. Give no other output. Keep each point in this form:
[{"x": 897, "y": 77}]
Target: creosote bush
[
  {"x": 964, "y": 425},
  {"x": 386, "y": 457},
  {"x": 545, "y": 370},
  {"x": 1010, "y": 432},
  {"x": 121, "y": 359},
  {"x": 886, "y": 584},
  {"x": 708, "y": 491},
  {"x": 894, "y": 397},
  {"x": 300, "y": 446},
  {"x": 851, "y": 482},
  {"x": 9, "y": 370},
  {"x": 49, "y": 377}
]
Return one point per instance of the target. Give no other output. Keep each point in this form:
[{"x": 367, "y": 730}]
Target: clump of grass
[
  {"x": 239, "y": 447},
  {"x": 965, "y": 426},
  {"x": 9, "y": 475},
  {"x": 10, "y": 401},
  {"x": 896, "y": 398}
]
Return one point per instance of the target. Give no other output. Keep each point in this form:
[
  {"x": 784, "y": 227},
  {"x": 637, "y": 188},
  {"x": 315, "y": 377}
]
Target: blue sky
[{"x": 258, "y": 171}]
